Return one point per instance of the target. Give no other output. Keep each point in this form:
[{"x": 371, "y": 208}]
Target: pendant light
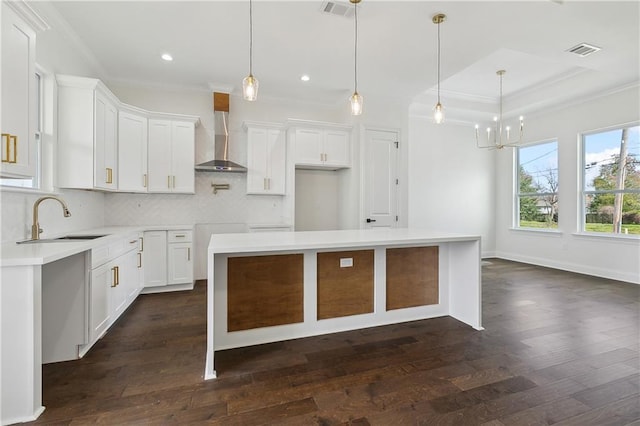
[
  {"x": 356, "y": 98},
  {"x": 250, "y": 83},
  {"x": 438, "y": 110}
]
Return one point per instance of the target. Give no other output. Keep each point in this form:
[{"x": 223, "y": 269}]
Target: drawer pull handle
[
  {"x": 132, "y": 241},
  {"x": 180, "y": 236},
  {"x": 141, "y": 243}
]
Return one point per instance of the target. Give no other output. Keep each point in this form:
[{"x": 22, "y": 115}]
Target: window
[
  {"x": 611, "y": 181},
  {"x": 33, "y": 183},
  {"x": 537, "y": 180}
]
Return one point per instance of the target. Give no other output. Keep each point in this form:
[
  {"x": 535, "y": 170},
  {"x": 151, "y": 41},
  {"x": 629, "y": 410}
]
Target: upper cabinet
[
  {"x": 266, "y": 155},
  {"x": 106, "y": 145},
  {"x": 19, "y": 90},
  {"x": 321, "y": 145},
  {"x": 132, "y": 152},
  {"x": 171, "y": 156},
  {"x": 87, "y": 134}
]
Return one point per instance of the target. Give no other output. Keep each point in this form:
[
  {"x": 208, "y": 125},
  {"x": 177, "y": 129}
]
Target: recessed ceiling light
[
  {"x": 167, "y": 57},
  {"x": 305, "y": 77}
]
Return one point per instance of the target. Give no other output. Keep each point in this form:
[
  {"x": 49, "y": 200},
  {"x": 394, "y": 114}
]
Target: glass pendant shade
[
  {"x": 356, "y": 103},
  {"x": 438, "y": 113},
  {"x": 250, "y": 88}
]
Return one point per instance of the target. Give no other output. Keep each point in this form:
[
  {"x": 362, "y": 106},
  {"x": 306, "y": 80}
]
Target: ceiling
[{"x": 209, "y": 41}]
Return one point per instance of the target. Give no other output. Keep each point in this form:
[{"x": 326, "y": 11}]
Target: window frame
[
  {"x": 583, "y": 192},
  {"x": 518, "y": 195}
]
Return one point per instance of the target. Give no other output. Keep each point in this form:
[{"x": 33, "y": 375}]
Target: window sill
[
  {"x": 627, "y": 238},
  {"x": 539, "y": 231}
]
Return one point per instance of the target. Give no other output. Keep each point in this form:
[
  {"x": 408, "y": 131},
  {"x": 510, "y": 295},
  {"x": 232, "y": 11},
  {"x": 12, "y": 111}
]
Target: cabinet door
[
  {"x": 257, "y": 158},
  {"x": 336, "y": 148},
  {"x": 105, "y": 143},
  {"x": 159, "y": 150},
  {"x": 127, "y": 289},
  {"x": 180, "y": 265},
  {"x": 276, "y": 165},
  {"x": 102, "y": 278},
  {"x": 132, "y": 152},
  {"x": 182, "y": 157},
  {"x": 308, "y": 147},
  {"x": 155, "y": 258},
  {"x": 19, "y": 96}
]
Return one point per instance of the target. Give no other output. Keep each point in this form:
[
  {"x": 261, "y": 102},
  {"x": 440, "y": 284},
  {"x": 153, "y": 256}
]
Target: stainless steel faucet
[{"x": 35, "y": 228}]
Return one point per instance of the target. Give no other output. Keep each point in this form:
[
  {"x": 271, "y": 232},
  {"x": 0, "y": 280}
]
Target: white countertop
[
  {"x": 12, "y": 254},
  {"x": 281, "y": 241}
]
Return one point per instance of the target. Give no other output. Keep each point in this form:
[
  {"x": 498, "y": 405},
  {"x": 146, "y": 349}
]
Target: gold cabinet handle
[
  {"x": 6, "y": 153},
  {"x": 109, "y": 175},
  {"x": 14, "y": 138},
  {"x": 114, "y": 281},
  {"x": 188, "y": 253},
  {"x": 144, "y": 180},
  {"x": 169, "y": 182},
  {"x": 174, "y": 182},
  {"x": 5, "y": 140},
  {"x": 141, "y": 243},
  {"x": 139, "y": 260},
  {"x": 180, "y": 235},
  {"x": 117, "y": 275}
]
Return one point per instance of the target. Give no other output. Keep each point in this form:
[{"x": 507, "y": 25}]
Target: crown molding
[{"x": 27, "y": 13}]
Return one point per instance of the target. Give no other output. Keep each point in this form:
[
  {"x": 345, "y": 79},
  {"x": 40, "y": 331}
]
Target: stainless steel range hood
[{"x": 221, "y": 162}]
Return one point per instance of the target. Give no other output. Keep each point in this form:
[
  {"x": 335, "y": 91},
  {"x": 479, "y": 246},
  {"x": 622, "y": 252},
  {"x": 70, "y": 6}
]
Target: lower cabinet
[
  {"x": 168, "y": 260},
  {"x": 114, "y": 284}
]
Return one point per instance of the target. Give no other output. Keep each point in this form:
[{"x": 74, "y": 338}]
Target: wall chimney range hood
[{"x": 221, "y": 162}]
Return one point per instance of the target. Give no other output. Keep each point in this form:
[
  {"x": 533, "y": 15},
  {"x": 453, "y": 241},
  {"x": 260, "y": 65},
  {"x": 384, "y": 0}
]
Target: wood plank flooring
[{"x": 558, "y": 348}]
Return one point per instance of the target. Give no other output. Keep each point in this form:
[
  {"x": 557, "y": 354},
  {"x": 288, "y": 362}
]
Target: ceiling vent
[
  {"x": 584, "y": 49},
  {"x": 337, "y": 8}
]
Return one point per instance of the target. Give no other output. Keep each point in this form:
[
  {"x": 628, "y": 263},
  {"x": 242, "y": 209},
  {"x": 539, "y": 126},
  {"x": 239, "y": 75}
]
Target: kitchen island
[{"x": 276, "y": 286}]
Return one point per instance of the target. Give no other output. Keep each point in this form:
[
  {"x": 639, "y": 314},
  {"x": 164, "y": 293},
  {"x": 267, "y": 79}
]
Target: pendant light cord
[
  {"x": 250, "y": 37},
  {"x": 355, "y": 49},
  {"x": 438, "y": 62}
]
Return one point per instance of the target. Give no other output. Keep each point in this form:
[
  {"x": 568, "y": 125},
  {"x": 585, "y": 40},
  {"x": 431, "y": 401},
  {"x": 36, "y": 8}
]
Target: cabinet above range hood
[{"x": 221, "y": 162}]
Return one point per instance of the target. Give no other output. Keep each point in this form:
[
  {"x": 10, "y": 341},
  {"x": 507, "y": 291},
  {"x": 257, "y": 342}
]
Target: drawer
[
  {"x": 180, "y": 236},
  {"x": 106, "y": 253}
]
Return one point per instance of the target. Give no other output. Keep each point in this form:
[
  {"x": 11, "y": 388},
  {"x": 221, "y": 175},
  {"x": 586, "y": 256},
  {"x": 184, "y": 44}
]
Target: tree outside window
[
  {"x": 537, "y": 196},
  {"x": 611, "y": 181}
]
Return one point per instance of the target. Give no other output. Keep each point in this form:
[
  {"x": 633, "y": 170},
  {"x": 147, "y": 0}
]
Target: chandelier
[
  {"x": 499, "y": 135},
  {"x": 356, "y": 98}
]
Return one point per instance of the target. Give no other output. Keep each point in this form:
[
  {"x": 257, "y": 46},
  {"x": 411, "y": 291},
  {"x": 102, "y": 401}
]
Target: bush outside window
[
  {"x": 611, "y": 181},
  {"x": 537, "y": 183}
]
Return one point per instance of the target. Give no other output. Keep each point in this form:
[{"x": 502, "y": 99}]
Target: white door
[
  {"x": 132, "y": 152},
  {"x": 155, "y": 258},
  {"x": 257, "y": 157},
  {"x": 380, "y": 183},
  {"x": 276, "y": 166},
  {"x": 99, "y": 315},
  {"x": 180, "y": 263},
  {"x": 159, "y": 161},
  {"x": 182, "y": 157}
]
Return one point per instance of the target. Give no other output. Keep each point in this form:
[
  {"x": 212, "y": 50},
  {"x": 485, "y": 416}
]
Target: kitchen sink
[{"x": 69, "y": 238}]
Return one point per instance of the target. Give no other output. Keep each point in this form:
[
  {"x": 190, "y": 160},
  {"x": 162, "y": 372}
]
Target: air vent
[
  {"x": 584, "y": 49},
  {"x": 337, "y": 8}
]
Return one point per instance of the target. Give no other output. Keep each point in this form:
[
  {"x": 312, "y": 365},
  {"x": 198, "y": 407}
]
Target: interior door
[{"x": 380, "y": 179}]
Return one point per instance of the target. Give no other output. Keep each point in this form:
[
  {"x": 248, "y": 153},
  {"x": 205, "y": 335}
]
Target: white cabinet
[
  {"x": 114, "y": 284},
  {"x": 321, "y": 147},
  {"x": 19, "y": 95},
  {"x": 266, "y": 156},
  {"x": 171, "y": 152},
  {"x": 87, "y": 134},
  {"x": 154, "y": 257},
  {"x": 132, "y": 152},
  {"x": 168, "y": 260}
]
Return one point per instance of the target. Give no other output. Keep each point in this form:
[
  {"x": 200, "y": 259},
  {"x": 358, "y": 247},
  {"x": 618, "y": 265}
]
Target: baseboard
[
  {"x": 571, "y": 267},
  {"x": 167, "y": 288}
]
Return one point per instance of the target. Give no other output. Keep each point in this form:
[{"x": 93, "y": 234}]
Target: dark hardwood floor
[{"x": 558, "y": 348}]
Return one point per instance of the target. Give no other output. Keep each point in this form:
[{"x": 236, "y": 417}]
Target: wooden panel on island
[
  {"x": 264, "y": 291},
  {"x": 345, "y": 283},
  {"x": 412, "y": 277}
]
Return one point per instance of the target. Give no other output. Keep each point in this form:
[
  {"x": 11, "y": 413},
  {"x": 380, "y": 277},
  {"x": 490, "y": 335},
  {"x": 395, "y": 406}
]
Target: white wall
[
  {"x": 317, "y": 207},
  {"x": 451, "y": 182},
  {"x": 595, "y": 255}
]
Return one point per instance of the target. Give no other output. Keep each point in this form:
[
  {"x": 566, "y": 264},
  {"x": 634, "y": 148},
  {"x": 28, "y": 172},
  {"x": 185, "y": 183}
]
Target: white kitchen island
[{"x": 275, "y": 286}]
